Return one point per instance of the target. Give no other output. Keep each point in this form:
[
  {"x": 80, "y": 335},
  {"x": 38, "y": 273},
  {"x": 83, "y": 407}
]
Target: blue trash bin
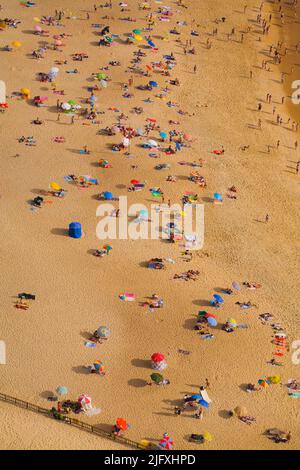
[{"x": 75, "y": 230}]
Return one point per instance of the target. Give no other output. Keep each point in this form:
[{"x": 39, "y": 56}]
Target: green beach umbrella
[
  {"x": 137, "y": 31},
  {"x": 157, "y": 378}
]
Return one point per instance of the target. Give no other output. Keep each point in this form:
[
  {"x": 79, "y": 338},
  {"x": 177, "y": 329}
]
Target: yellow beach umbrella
[
  {"x": 138, "y": 37},
  {"x": 207, "y": 436},
  {"x": 25, "y": 91},
  {"x": 55, "y": 186},
  {"x": 36, "y": 19},
  {"x": 275, "y": 379},
  {"x": 16, "y": 44}
]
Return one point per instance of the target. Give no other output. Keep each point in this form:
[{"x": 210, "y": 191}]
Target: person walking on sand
[
  {"x": 267, "y": 218},
  {"x": 58, "y": 117},
  {"x": 298, "y": 167},
  {"x": 195, "y": 68},
  {"x": 72, "y": 119},
  {"x": 296, "y": 144},
  {"x": 278, "y": 144}
]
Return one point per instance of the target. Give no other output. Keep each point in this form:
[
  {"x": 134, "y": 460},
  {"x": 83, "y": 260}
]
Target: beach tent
[{"x": 75, "y": 230}]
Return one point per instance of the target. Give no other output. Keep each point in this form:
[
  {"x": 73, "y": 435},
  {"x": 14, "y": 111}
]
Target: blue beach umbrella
[
  {"x": 218, "y": 197},
  {"x": 62, "y": 390},
  {"x": 108, "y": 195},
  {"x": 212, "y": 321},
  {"x": 163, "y": 135},
  {"x": 218, "y": 298},
  {"x": 203, "y": 403},
  {"x": 151, "y": 43},
  {"x": 153, "y": 84}
]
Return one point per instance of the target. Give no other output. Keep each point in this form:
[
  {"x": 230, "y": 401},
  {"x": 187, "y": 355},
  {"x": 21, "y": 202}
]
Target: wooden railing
[{"x": 71, "y": 421}]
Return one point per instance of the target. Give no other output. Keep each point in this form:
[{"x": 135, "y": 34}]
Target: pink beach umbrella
[{"x": 84, "y": 399}]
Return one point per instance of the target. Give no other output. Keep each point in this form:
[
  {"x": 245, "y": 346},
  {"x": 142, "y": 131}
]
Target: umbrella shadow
[
  {"x": 190, "y": 323},
  {"x": 243, "y": 387},
  {"x": 143, "y": 264},
  {"x": 81, "y": 370},
  {"x": 85, "y": 334},
  {"x": 137, "y": 383},
  {"x": 104, "y": 427},
  {"x": 142, "y": 363},
  {"x": 63, "y": 232},
  {"x": 46, "y": 394},
  {"x": 207, "y": 199},
  {"x": 224, "y": 414},
  {"x": 202, "y": 303}
]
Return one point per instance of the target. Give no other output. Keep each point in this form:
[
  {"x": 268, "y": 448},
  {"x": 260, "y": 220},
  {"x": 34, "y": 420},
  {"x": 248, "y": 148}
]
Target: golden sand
[{"x": 76, "y": 292}]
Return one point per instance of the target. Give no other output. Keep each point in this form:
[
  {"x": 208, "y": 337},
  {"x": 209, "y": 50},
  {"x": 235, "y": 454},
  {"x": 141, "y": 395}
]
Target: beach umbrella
[
  {"x": 263, "y": 383},
  {"x": 66, "y": 106},
  {"x": 72, "y": 102},
  {"x": 38, "y": 28},
  {"x": 157, "y": 378},
  {"x": 166, "y": 442},
  {"x": 2, "y": 24},
  {"x": 202, "y": 313},
  {"x": 138, "y": 37},
  {"x": 218, "y": 298},
  {"x": 275, "y": 379},
  {"x": 107, "y": 247},
  {"x": 212, "y": 321},
  {"x": 208, "y": 315},
  {"x": 126, "y": 142},
  {"x": 115, "y": 129},
  {"x": 93, "y": 98},
  {"x": 84, "y": 399},
  {"x": 122, "y": 424},
  {"x": 218, "y": 197},
  {"x": 157, "y": 357},
  {"x": 58, "y": 42},
  {"x": 55, "y": 186},
  {"x": 36, "y": 19},
  {"x": 152, "y": 143},
  {"x": 54, "y": 70},
  {"x": 103, "y": 83},
  {"x": 43, "y": 99},
  {"x": 25, "y": 91},
  {"x": 203, "y": 403},
  {"x": 16, "y": 44},
  {"x": 103, "y": 331},
  {"x": 151, "y": 43},
  {"x": 240, "y": 411},
  {"x": 207, "y": 436},
  {"x": 153, "y": 84},
  {"x": 187, "y": 137},
  {"x": 97, "y": 364},
  {"x": 232, "y": 322},
  {"x": 137, "y": 31},
  {"x": 62, "y": 390},
  {"x": 196, "y": 396},
  {"x": 101, "y": 75},
  {"x": 108, "y": 195},
  {"x": 163, "y": 135},
  {"x": 236, "y": 285},
  {"x": 134, "y": 182}
]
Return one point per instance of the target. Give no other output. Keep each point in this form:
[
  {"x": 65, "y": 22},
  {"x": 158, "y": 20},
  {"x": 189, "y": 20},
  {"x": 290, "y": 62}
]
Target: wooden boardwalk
[{"x": 71, "y": 422}]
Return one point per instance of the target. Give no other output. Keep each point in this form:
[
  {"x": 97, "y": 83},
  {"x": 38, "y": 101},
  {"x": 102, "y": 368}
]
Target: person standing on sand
[
  {"x": 267, "y": 219},
  {"x": 195, "y": 68},
  {"x": 298, "y": 167},
  {"x": 296, "y": 144}
]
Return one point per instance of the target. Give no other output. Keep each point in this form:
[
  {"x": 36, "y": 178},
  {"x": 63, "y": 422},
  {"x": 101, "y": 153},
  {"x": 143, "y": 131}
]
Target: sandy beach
[{"x": 77, "y": 292}]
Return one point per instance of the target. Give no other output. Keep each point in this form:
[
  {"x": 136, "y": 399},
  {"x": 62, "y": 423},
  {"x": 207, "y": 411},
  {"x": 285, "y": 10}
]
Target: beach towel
[{"x": 90, "y": 344}]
